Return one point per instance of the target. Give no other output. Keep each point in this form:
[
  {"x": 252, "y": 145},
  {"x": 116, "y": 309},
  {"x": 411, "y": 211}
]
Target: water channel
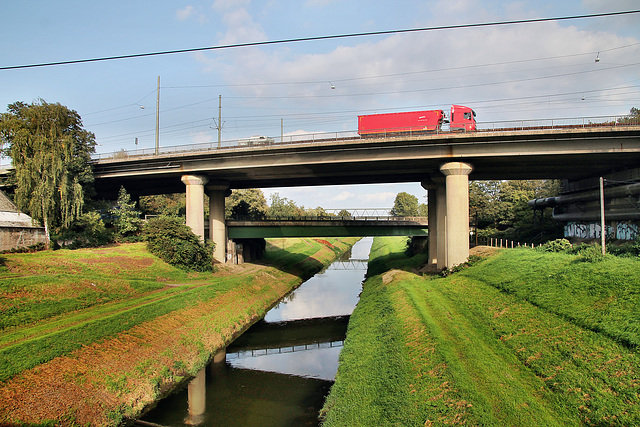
[{"x": 280, "y": 370}]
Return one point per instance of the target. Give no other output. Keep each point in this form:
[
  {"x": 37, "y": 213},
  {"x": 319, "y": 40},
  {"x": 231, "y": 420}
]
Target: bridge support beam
[
  {"x": 457, "y": 217},
  {"x": 195, "y": 202},
  {"x": 217, "y": 226}
]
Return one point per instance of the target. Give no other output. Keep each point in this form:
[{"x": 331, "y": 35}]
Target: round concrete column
[
  {"x": 457, "y": 195},
  {"x": 197, "y": 392},
  {"x": 432, "y": 205},
  {"x": 217, "y": 225},
  {"x": 195, "y": 203},
  {"x": 441, "y": 222}
]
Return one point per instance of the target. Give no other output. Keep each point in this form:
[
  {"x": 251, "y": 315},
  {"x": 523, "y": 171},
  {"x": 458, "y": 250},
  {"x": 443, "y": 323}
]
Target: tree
[
  {"x": 248, "y": 203},
  {"x": 51, "y": 156},
  {"x": 126, "y": 218},
  {"x": 500, "y": 209},
  {"x": 164, "y": 204},
  {"x": 281, "y": 207},
  {"x": 405, "y": 205},
  {"x": 632, "y": 118}
]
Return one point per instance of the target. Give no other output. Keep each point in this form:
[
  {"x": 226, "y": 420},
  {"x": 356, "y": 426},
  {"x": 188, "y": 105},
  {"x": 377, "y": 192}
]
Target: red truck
[{"x": 461, "y": 119}]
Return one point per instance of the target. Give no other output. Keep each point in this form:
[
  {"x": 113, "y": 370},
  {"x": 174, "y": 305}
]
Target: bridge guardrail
[{"x": 352, "y": 135}]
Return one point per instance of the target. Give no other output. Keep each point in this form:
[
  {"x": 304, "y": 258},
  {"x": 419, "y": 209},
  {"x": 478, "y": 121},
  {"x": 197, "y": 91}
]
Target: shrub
[
  {"x": 126, "y": 219},
  {"x": 558, "y": 245},
  {"x": 86, "y": 231},
  {"x": 175, "y": 243}
]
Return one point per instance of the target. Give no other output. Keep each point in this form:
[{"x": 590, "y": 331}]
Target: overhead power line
[{"x": 317, "y": 38}]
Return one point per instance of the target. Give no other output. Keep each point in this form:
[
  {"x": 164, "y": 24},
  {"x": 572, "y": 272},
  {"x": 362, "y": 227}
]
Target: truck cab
[{"x": 462, "y": 119}]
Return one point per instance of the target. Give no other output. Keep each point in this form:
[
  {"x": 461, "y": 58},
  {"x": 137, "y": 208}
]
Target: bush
[
  {"x": 558, "y": 245},
  {"x": 126, "y": 219},
  {"x": 175, "y": 243},
  {"x": 86, "y": 231}
]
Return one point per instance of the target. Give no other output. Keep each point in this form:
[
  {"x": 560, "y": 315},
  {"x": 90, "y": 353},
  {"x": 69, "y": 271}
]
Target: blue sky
[{"x": 513, "y": 72}]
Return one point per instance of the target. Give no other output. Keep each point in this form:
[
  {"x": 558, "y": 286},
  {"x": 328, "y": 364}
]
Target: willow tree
[{"x": 50, "y": 153}]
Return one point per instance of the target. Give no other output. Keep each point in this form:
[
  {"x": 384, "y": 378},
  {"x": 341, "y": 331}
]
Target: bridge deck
[
  {"x": 378, "y": 226},
  {"x": 524, "y": 154}
]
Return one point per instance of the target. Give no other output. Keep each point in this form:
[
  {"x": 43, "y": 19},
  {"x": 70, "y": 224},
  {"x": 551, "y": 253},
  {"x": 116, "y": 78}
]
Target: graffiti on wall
[{"x": 591, "y": 230}]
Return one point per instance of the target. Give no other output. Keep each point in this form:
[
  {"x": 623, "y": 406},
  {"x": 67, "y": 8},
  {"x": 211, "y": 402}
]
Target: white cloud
[
  {"x": 190, "y": 12},
  {"x": 438, "y": 68},
  {"x": 224, "y": 5},
  {"x": 200, "y": 137},
  {"x": 384, "y": 198},
  {"x": 184, "y": 14},
  {"x": 344, "y": 195}
]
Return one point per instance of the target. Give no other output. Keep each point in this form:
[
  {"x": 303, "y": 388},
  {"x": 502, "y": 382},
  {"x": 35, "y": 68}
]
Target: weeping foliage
[{"x": 50, "y": 153}]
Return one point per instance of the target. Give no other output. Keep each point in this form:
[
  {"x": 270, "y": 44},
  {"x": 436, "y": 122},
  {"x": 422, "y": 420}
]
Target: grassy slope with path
[
  {"x": 522, "y": 338},
  {"x": 90, "y": 336}
]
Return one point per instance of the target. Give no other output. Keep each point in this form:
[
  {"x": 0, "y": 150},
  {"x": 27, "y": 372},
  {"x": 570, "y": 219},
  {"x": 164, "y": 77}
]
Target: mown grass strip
[
  {"x": 602, "y": 296},
  {"x": 60, "y": 322},
  {"x": 32, "y": 352}
]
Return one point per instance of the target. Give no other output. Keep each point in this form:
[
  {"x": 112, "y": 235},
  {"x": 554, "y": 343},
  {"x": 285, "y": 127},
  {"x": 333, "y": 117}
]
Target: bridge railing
[
  {"x": 560, "y": 123},
  {"x": 321, "y": 218},
  {"x": 351, "y": 135}
]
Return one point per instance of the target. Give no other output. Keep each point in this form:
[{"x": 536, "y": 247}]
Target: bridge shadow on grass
[
  {"x": 396, "y": 261},
  {"x": 298, "y": 264}
]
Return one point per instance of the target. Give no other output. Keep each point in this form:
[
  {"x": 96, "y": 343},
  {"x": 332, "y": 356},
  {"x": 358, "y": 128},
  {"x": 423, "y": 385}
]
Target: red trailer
[{"x": 414, "y": 122}]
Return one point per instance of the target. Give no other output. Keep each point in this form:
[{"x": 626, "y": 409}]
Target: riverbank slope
[
  {"x": 90, "y": 337},
  {"x": 522, "y": 338}
]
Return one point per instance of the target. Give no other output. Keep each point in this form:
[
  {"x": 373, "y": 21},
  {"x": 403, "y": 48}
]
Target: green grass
[
  {"x": 48, "y": 311},
  {"x": 473, "y": 349},
  {"x": 603, "y": 296}
]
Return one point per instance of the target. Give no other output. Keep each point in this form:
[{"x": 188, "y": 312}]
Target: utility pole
[
  {"x": 603, "y": 230},
  {"x": 158, "y": 119},
  {"x": 219, "y": 120}
]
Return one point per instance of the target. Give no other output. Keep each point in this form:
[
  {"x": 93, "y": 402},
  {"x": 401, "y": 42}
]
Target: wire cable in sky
[{"x": 307, "y": 39}]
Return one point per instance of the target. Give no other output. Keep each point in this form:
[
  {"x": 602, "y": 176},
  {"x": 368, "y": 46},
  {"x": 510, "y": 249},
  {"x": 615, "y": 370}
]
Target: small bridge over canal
[{"x": 327, "y": 227}]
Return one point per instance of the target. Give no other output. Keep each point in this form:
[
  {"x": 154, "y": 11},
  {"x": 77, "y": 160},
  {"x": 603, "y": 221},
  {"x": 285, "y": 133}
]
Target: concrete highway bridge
[{"x": 442, "y": 162}]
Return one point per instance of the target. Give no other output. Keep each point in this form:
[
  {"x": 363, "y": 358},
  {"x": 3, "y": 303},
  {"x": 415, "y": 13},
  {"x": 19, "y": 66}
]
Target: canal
[{"x": 280, "y": 370}]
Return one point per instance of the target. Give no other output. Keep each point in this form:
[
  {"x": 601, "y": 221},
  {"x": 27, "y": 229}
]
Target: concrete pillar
[
  {"x": 441, "y": 222},
  {"x": 220, "y": 356},
  {"x": 195, "y": 203},
  {"x": 432, "y": 203},
  {"x": 217, "y": 225},
  {"x": 457, "y": 196},
  {"x": 197, "y": 391}
]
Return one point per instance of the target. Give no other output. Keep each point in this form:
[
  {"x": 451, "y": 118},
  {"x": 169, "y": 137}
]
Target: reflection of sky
[
  {"x": 319, "y": 363},
  {"x": 331, "y": 293}
]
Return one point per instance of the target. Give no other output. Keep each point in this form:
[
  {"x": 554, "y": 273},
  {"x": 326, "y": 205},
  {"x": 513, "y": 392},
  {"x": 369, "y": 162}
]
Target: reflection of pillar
[
  {"x": 197, "y": 398},
  {"x": 441, "y": 222},
  {"x": 432, "y": 204},
  {"x": 195, "y": 203},
  {"x": 217, "y": 225},
  {"x": 220, "y": 356},
  {"x": 457, "y": 196}
]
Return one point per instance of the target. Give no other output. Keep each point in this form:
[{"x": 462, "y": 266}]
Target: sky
[{"x": 505, "y": 72}]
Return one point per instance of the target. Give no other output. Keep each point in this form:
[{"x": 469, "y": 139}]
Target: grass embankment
[
  {"x": 90, "y": 336},
  {"x": 523, "y": 338}
]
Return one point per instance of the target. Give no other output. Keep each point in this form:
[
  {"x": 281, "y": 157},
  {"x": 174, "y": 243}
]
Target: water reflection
[{"x": 279, "y": 372}]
